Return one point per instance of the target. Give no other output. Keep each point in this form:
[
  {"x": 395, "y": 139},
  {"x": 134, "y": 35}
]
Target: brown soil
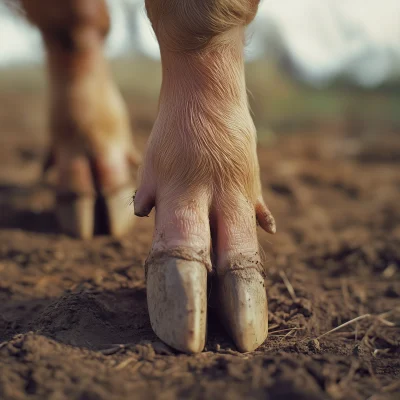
[{"x": 73, "y": 318}]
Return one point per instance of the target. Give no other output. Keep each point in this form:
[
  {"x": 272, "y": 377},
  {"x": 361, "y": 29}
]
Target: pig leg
[
  {"x": 201, "y": 173},
  {"x": 92, "y": 147}
]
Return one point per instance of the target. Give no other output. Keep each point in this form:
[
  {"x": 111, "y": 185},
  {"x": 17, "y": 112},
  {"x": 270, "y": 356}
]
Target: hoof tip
[
  {"x": 243, "y": 307},
  {"x": 83, "y": 216},
  {"x": 177, "y": 302}
]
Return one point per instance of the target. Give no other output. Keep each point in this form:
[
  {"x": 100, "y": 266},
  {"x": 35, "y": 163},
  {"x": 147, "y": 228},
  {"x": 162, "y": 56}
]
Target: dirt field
[{"x": 73, "y": 318}]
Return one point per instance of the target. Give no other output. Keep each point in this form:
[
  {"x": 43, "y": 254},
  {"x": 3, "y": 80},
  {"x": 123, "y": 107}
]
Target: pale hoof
[
  {"x": 242, "y": 304},
  {"x": 75, "y": 215},
  {"x": 120, "y": 216},
  {"x": 177, "y": 302},
  {"x": 84, "y": 215}
]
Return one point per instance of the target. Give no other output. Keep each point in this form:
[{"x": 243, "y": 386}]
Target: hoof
[
  {"x": 75, "y": 215},
  {"x": 177, "y": 301},
  {"x": 119, "y": 215},
  {"x": 242, "y": 304},
  {"x": 84, "y": 215}
]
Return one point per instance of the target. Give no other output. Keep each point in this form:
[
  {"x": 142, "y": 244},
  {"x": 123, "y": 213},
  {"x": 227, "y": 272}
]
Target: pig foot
[
  {"x": 201, "y": 174},
  {"x": 88, "y": 121},
  {"x": 207, "y": 210},
  {"x": 93, "y": 193},
  {"x": 177, "y": 269}
]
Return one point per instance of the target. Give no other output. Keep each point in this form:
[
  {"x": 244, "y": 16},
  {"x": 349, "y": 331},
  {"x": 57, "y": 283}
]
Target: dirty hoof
[
  {"x": 85, "y": 215},
  {"x": 177, "y": 302},
  {"x": 242, "y": 304}
]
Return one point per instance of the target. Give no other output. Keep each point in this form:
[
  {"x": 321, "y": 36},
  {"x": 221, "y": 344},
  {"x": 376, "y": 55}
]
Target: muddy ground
[{"x": 73, "y": 318}]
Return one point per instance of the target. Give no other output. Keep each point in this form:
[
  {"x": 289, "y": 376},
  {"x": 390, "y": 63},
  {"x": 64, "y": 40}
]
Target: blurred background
[{"x": 335, "y": 62}]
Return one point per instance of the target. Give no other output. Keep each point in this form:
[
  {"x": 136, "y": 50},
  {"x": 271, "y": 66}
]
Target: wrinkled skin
[{"x": 201, "y": 168}]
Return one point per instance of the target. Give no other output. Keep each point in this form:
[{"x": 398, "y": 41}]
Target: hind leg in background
[
  {"x": 201, "y": 173},
  {"x": 91, "y": 143}
]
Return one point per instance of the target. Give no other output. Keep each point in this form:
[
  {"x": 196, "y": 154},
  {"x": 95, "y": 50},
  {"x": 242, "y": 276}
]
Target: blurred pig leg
[
  {"x": 92, "y": 147},
  {"x": 201, "y": 173}
]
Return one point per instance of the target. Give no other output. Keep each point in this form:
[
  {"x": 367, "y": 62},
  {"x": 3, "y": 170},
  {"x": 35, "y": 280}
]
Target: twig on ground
[
  {"x": 385, "y": 322},
  {"x": 112, "y": 350},
  {"x": 345, "y": 324},
  {"x": 360, "y": 311},
  {"x": 378, "y": 318},
  {"x": 346, "y": 294},
  {"x": 387, "y": 313},
  {"x": 128, "y": 361},
  {"x": 288, "y": 334},
  {"x": 284, "y": 330},
  {"x": 288, "y": 285}
]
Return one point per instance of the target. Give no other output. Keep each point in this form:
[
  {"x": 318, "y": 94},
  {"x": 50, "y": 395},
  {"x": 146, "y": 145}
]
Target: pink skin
[
  {"x": 200, "y": 169},
  {"x": 91, "y": 138},
  {"x": 92, "y": 148}
]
